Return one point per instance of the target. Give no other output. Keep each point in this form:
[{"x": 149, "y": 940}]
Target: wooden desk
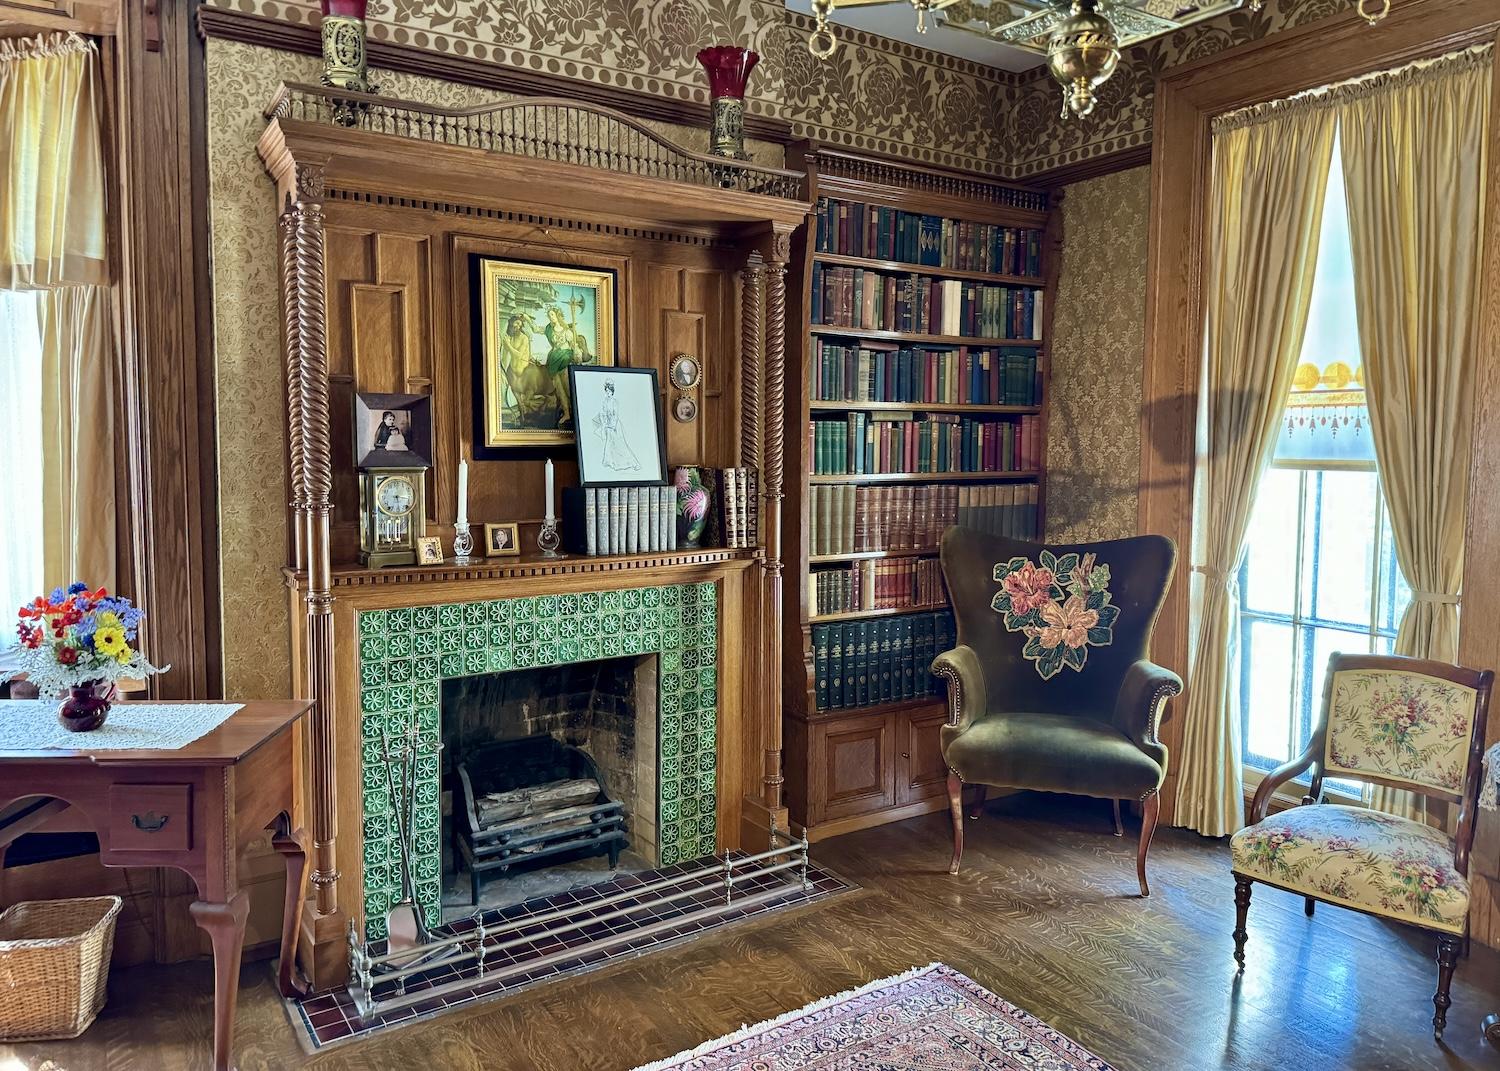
[{"x": 194, "y": 809}]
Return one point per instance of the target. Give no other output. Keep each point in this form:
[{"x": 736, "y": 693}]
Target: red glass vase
[
  {"x": 86, "y": 707},
  {"x": 728, "y": 68}
]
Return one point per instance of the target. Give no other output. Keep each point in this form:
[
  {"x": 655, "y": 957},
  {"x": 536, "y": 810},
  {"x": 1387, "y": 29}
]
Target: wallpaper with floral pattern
[
  {"x": 1404, "y": 726},
  {"x": 1369, "y": 860},
  {"x": 1098, "y": 347}
]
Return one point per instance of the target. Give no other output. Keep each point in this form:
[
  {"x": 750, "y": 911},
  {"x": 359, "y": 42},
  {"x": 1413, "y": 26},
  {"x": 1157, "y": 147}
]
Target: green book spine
[
  {"x": 861, "y": 664},
  {"x": 820, "y": 665},
  {"x": 887, "y": 678},
  {"x": 835, "y": 666},
  {"x": 908, "y": 661}
]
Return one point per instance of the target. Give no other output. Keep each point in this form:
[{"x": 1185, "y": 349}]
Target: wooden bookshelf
[{"x": 850, "y": 767}]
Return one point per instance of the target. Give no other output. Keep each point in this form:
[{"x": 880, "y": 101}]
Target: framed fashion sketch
[
  {"x": 619, "y": 426},
  {"x": 533, "y": 323}
]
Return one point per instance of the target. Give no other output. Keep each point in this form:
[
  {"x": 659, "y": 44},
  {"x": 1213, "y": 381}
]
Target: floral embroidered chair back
[
  {"x": 1056, "y": 625},
  {"x": 1400, "y": 721}
]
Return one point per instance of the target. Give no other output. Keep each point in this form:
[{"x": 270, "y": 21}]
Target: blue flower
[
  {"x": 76, "y": 586},
  {"x": 58, "y": 595}
]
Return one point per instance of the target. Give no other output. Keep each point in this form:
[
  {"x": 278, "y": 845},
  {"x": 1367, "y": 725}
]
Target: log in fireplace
[{"x": 521, "y": 804}]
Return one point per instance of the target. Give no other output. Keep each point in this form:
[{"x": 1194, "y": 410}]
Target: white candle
[
  {"x": 463, "y": 493},
  {"x": 551, "y": 516}
]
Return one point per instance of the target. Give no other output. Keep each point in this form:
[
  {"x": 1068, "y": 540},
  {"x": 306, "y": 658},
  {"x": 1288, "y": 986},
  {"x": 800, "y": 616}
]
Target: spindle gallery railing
[{"x": 542, "y": 128}]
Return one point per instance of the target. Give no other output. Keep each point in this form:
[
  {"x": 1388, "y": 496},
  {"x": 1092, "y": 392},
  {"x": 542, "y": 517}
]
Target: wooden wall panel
[{"x": 400, "y": 315}]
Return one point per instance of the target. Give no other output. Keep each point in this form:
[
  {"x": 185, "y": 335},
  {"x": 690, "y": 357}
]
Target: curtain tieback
[
  {"x": 1212, "y": 573},
  {"x": 1435, "y": 596}
]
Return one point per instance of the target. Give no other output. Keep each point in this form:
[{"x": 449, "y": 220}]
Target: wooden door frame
[{"x": 1187, "y": 99}]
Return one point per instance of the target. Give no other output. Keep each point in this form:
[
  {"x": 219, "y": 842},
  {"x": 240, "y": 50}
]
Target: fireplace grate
[{"x": 529, "y": 802}]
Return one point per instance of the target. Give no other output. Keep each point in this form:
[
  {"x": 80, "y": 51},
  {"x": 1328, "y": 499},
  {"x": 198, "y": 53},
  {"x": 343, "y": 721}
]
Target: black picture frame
[
  {"x": 413, "y": 412},
  {"x": 593, "y": 466}
]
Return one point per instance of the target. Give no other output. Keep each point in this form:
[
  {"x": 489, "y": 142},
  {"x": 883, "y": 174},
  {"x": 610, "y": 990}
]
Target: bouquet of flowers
[{"x": 77, "y": 638}]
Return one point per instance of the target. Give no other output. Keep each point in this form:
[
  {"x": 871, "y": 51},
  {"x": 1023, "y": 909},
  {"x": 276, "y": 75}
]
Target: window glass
[{"x": 21, "y": 445}]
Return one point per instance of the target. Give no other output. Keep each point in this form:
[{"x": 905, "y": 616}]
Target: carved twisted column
[
  {"x": 775, "y": 345},
  {"x": 311, "y": 464},
  {"x": 298, "y": 502},
  {"x": 751, "y": 341}
]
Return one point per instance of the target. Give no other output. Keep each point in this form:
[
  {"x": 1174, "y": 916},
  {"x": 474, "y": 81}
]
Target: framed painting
[
  {"x": 619, "y": 426},
  {"x": 534, "y": 322}
]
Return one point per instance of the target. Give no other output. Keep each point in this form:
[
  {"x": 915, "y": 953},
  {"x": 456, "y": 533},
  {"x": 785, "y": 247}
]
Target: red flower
[
  {"x": 67, "y": 655},
  {"x": 1028, "y": 588}
]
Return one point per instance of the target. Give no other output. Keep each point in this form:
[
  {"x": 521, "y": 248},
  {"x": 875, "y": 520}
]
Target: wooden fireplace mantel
[{"x": 533, "y": 165}]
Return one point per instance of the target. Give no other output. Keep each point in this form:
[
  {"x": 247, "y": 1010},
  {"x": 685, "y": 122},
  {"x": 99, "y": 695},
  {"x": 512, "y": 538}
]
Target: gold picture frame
[
  {"x": 534, "y": 322},
  {"x": 429, "y": 550},
  {"x": 502, "y": 540}
]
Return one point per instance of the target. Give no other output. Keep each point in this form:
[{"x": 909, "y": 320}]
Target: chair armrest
[
  {"x": 1280, "y": 776},
  {"x": 1143, "y": 694},
  {"x": 968, "y": 694}
]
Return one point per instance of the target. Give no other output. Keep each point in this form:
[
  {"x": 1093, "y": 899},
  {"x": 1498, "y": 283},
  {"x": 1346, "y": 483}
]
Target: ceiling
[{"x": 899, "y": 22}]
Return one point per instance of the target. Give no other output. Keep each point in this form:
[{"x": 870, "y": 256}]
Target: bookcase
[{"x": 919, "y": 401}]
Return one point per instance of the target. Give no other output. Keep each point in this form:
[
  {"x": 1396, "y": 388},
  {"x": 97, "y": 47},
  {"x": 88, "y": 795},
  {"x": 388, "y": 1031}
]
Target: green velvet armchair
[{"x": 1051, "y": 686}]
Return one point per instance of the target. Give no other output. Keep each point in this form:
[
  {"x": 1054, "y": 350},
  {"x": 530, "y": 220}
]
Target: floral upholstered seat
[
  {"x": 1404, "y": 723},
  {"x": 1368, "y": 860}
]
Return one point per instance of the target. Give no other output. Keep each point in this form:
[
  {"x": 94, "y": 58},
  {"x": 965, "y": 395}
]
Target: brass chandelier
[{"x": 1081, "y": 39}]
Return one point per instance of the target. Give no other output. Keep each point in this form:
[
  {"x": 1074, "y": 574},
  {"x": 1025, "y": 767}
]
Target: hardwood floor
[{"x": 1045, "y": 914}]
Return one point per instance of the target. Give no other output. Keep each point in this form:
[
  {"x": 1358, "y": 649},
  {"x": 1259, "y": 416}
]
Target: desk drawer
[{"x": 150, "y": 818}]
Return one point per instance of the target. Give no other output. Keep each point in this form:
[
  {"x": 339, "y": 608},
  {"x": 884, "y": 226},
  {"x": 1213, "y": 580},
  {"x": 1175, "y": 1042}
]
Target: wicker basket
[{"x": 54, "y": 963}]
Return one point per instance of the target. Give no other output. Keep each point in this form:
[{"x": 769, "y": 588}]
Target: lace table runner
[{"x": 31, "y": 725}]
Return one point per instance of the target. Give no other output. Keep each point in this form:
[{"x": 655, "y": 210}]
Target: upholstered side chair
[
  {"x": 1051, "y": 686},
  {"x": 1386, "y": 720}
]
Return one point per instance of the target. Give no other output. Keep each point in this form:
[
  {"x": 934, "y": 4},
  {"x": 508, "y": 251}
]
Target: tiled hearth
[
  {"x": 329, "y": 1018},
  {"x": 406, "y": 653}
]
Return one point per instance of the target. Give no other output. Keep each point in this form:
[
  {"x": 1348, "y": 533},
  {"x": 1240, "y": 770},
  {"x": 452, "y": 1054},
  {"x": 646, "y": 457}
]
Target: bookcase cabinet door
[
  {"x": 921, "y": 772},
  {"x": 854, "y": 757}
]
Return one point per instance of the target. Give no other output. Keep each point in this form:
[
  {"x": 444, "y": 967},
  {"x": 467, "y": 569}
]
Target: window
[
  {"x": 21, "y": 443},
  {"x": 1319, "y": 573}
]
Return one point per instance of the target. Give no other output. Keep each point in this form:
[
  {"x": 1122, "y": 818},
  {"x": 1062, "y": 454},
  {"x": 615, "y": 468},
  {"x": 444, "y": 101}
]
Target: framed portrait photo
[
  {"x": 619, "y": 426},
  {"x": 392, "y": 431},
  {"x": 534, "y": 322},
  {"x": 429, "y": 551},
  {"x": 501, "y": 540}
]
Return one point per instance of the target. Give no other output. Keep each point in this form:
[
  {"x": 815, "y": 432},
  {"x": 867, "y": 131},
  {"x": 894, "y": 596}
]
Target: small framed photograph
[
  {"x": 429, "y": 551},
  {"x": 501, "y": 539},
  {"x": 392, "y": 431},
  {"x": 619, "y": 426}
]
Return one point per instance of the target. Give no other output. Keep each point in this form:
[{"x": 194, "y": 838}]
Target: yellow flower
[
  {"x": 110, "y": 641},
  {"x": 108, "y": 619}
]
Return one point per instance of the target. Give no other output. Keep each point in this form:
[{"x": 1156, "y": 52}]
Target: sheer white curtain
[{"x": 20, "y": 443}]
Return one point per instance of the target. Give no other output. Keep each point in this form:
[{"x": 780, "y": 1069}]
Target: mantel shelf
[{"x": 528, "y": 565}]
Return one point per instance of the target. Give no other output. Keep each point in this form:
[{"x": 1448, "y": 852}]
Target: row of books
[
  {"x": 874, "y": 443},
  {"x": 619, "y": 520},
  {"x": 865, "y": 298},
  {"x": 888, "y": 584},
  {"x": 886, "y": 372},
  {"x": 882, "y": 660},
  {"x": 847, "y": 519},
  {"x": 733, "y": 521},
  {"x": 850, "y": 228}
]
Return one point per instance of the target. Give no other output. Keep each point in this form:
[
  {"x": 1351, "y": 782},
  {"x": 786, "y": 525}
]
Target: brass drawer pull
[{"x": 151, "y": 823}]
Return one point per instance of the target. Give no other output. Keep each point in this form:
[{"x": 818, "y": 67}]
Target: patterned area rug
[{"x": 929, "y": 1019}]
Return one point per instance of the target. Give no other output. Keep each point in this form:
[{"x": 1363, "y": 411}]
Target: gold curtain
[
  {"x": 1270, "y": 173},
  {"x": 1414, "y": 157},
  {"x": 78, "y": 433},
  {"x": 52, "y": 224}
]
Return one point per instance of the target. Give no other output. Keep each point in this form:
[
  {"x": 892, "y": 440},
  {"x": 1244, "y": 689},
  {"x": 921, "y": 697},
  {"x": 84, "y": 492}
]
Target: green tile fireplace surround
[{"x": 406, "y": 653}]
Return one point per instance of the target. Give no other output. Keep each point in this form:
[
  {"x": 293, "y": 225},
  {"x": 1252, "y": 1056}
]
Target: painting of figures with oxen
[{"x": 537, "y": 321}]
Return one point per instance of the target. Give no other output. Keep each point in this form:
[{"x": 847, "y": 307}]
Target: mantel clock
[{"x": 391, "y": 515}]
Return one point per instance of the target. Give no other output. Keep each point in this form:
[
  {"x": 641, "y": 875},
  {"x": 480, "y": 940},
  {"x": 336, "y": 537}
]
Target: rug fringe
[{"x": 747, "y": 1031}]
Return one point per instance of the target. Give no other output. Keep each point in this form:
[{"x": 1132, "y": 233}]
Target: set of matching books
[
  {"x": 851, "y": 228},
  {"x": 735, "y": 520},
  {"x": 889, "y": 584},
  {"x": 619, "y": 520},
  {"x": 886, "y": 372},
  {"x": 883, "y": 660},
  {"x": 847, "y": 519},
  {"x": 865, "y": 298},
  {"x": 874, "y": 443}
]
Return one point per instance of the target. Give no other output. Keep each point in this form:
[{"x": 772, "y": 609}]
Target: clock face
[{"x": 395, "y": 496}]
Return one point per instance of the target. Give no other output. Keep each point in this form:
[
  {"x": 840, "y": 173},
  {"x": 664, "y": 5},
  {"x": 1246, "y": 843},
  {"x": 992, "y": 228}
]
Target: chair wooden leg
[
  {"x": 1119, "y": 828},
  {"x": 1447, "y": 959},
  {"x": 1308, "y": 904},
  {"x": 1241, "y": 913},
  {"x": 1152, "y": 804},
  {"x": 956, "y": 808},
  {"x": 978, "y": 808}
]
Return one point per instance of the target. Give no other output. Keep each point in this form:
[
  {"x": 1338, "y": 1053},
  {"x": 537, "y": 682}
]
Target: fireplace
[
  {"x": 421, "y": 666},
  {"x": 549, "y": 766}
]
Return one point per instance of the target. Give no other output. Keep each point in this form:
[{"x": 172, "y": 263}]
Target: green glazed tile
[{"x": 373, "y": 623}]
